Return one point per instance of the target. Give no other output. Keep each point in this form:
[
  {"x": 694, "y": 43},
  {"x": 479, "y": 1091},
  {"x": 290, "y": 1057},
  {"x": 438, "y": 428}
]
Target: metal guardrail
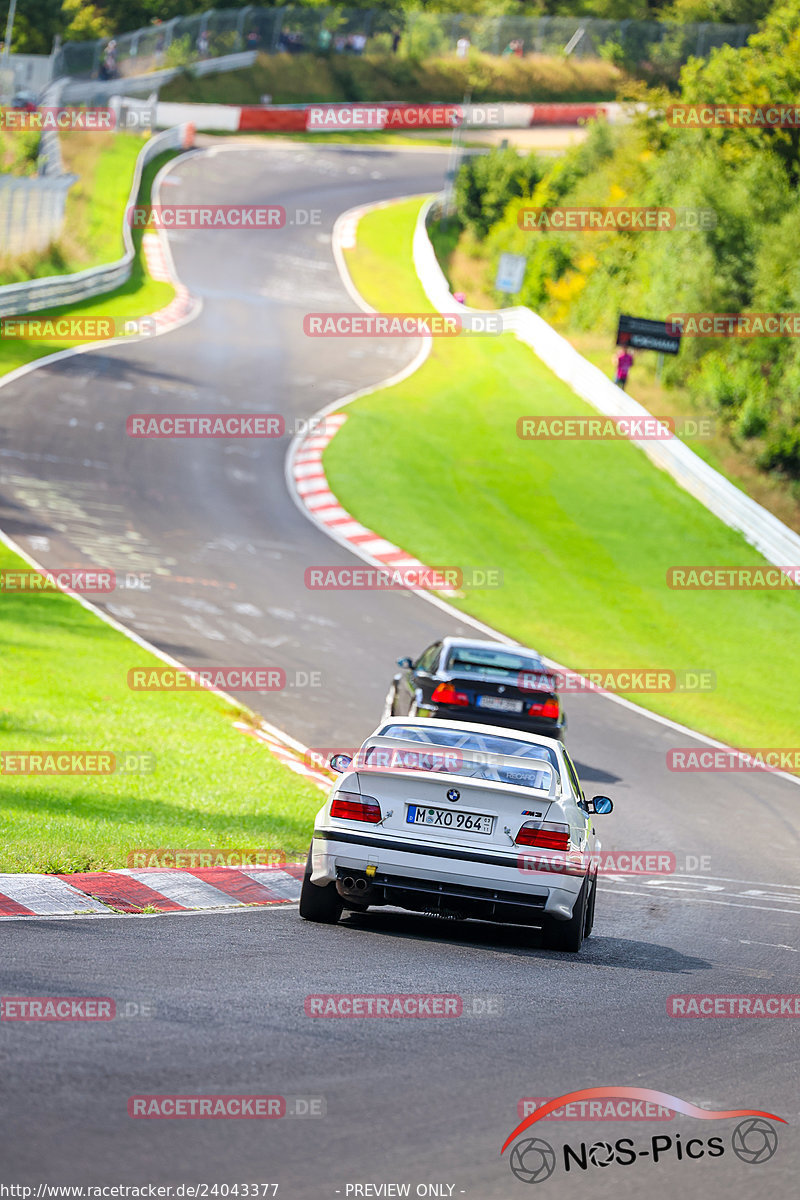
[
  {"x": 32, "y": 207},
  {"x": 97, "y": 91},
  {"x": 778, "y": 544},
  {"x": 54, "y": 290}
]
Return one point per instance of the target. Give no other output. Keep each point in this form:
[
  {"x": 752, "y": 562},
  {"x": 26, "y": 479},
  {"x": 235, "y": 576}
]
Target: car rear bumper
[
  {"x": 425, "y": 876},
  {"x": 479, "y": 716}
]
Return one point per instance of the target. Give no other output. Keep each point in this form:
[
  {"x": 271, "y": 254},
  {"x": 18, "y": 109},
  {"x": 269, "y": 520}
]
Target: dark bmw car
[{"x": 461, "y": 679}]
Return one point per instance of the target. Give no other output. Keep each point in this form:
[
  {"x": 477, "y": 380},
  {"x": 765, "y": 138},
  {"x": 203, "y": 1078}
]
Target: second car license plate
[
  {"x": 499, "y": 703},
  {"x": 448, "y": 819}
]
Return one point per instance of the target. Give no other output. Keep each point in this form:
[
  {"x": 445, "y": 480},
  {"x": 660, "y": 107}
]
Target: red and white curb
[
  {"x": 289, "y": 756},
  {"x": 159, "y": 266},
  {"x": 376, "y": 116},
  {"x": 312, "y": 488},
  {"x": 113, "y": 893}
]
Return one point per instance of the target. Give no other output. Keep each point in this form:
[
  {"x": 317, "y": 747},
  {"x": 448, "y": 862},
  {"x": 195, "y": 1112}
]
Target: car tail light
[
  {"x": 445, "y": 693},
  {"x": 548, "y": 835},
  {"x": 351, "y": 806},
  {"x": 547, "y": 708}
]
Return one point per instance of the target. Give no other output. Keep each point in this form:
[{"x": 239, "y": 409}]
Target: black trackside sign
[{"x": 641, "y": 334}]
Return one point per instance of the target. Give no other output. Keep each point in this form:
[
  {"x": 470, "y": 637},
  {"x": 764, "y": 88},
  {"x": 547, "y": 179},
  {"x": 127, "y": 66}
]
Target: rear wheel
[
  {"x": 568, "y": 935},
  {"x": 317, "y": 903}
]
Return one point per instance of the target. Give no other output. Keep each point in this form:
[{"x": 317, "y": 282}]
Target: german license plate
[
  {"x": 448, "y": 819},
  {"x": 499, "y": 704}
]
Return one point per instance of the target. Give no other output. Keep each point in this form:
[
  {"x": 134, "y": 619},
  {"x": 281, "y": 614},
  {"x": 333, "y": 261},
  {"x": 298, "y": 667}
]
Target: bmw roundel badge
[{"x": 453, "y": 795}]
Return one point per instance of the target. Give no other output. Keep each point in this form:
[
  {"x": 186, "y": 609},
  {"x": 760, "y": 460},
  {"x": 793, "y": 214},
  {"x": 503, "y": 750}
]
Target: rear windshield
[
  {"x": 468, "y": 739},
  {"x": 469, "y": 764},
  {"x": 484, "y": 661}
]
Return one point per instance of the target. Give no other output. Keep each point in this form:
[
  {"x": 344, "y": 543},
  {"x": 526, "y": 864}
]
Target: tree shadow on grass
[{"x": 121, "y": 811}]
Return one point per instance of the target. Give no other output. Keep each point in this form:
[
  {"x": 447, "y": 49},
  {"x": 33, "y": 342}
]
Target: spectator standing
[
  {"x": 624, "y": 364},
  {"x": 462, "y": 46}
]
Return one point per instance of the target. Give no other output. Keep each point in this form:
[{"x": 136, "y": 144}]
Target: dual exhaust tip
[{"x": 350, "y": 884}]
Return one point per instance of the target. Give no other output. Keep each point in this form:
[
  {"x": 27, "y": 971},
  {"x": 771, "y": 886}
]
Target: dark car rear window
[{"x": 482, "y": 661}]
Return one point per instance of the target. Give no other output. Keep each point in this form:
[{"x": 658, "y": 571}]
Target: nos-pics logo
[{"x": 533, "y": 1160}]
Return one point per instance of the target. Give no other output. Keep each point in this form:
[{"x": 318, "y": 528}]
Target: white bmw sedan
[{"x": 460, "y": 821}]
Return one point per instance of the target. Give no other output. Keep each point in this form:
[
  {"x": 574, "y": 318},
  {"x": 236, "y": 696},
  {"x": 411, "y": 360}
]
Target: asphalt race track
[{"x": 423, "y": 1102}]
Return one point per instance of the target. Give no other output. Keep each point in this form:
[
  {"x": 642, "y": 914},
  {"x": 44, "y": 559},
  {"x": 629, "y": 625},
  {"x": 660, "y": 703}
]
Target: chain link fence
[{"x": 652, "y": 46}]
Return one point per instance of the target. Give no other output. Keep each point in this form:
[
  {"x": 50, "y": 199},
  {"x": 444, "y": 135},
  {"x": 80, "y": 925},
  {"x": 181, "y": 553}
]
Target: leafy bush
[
  {"x": 782, "y": 451},
  {"x": 487, "y": 183}
]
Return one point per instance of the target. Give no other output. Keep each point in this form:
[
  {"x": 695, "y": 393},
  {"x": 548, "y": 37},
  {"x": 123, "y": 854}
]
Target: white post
[{"x": 9, "y": 30}]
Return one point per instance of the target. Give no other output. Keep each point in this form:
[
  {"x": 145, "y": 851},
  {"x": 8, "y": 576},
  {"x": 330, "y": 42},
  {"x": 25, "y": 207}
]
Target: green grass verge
[
  {"x": 310, "y": 78},
  {"x": 583, "y": 532},
  {"x": 63, "y": 683},
  {"x": 139, "y": 296},
  {"x": 95, "y": 207}
]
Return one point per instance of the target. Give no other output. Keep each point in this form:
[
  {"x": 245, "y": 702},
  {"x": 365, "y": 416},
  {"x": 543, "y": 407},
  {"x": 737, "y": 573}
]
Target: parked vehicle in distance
[{"x": 25, "y": 101}]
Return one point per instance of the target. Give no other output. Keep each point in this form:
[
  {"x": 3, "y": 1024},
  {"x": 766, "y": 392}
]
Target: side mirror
[
  {"x": 600, "y": 805},
  {"x": 340, "y": 762},
  {"x": 406, "y": 663}
]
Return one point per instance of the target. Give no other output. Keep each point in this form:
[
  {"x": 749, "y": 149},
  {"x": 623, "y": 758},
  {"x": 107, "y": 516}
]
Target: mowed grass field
[
  {"x": 583, "y": 532},
  {"x": 63, "y": 687}
]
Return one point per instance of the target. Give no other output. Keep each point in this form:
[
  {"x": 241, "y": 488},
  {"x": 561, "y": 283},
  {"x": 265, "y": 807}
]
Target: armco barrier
[
  {"x": 297, "y": 118},
  {"x": 32, "y": 208},
  {"x": 55, "y": 290},
  {"x": 96, "y": 91},
  {"x": 778, "y": 544}
]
